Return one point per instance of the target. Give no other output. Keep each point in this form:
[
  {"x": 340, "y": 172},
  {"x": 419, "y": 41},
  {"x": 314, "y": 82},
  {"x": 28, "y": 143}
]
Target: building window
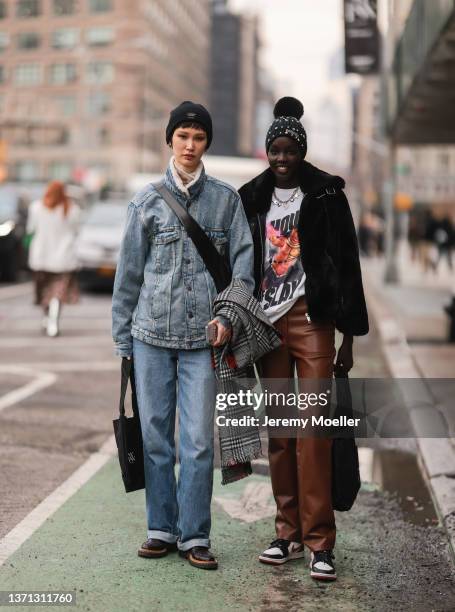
[
  {"x": 28, "y": 74},
  {"x": 100, "y": 73},
  {"x": 26, "y": 170},
  {"x": 28, "y": 8},
  {"x": 66, "y": 38},
  {"x": 100, "y": 6},
  {"x": 67, "y": 105},
  {"x": 59, "y": 171},
  {"x": 2, "y": 10},
  {"x": 99, "y": 103},
  {"x": 28, "y": 40},
  {"x": 97, "y": 37},
  {"x": 4, "y": 41},
  {"x": 60, "y": 74},
  {"x": 64, "y": 7}
]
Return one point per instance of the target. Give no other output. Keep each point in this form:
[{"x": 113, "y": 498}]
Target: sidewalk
[{"x": 413, "y": 328}]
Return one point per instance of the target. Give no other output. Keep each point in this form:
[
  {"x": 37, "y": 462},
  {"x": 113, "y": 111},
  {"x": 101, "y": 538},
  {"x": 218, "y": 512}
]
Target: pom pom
[{"x": 288, "y": 107}]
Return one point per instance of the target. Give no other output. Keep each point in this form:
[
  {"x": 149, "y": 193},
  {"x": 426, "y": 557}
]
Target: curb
[{"x": 436, "y": 456}]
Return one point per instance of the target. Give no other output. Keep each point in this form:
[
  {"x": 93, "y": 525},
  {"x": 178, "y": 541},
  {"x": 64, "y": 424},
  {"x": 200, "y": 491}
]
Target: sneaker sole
[
  {"x": 207, "y": 565},
  {"x": 149, "y": 554},
  {"x": 160, "y": 552},
  {"x": 318, "y": 576},
  {"x": 292, "y": 557}
]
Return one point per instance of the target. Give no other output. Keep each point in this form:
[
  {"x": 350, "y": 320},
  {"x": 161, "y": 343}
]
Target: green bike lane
[{"x": 90, "y": 546}]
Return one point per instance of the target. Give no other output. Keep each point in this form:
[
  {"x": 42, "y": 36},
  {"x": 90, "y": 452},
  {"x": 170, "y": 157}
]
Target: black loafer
[
  {"x": 154, "y": 548},
  {"x": 200, "y": 556}
]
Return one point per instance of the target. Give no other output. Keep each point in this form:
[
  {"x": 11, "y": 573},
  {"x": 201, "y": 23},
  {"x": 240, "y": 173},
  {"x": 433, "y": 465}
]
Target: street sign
[{"x": 361, "y": 36}]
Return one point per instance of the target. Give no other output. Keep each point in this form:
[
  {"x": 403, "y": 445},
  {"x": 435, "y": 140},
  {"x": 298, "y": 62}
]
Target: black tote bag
[
  {"x": 345, "y": 457},
  {"x": 128, "y": 434}
]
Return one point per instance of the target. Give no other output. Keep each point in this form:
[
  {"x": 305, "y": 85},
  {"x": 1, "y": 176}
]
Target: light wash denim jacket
[{"x": 163, "y": 293}]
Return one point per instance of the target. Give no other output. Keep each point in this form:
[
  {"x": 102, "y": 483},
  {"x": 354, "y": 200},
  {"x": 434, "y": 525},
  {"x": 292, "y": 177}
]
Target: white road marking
[
  {"x": 255, "y": 503},
  {"x": 40, "y": 381},
  {"x": 260, "y": 461},
  {"x": 366, "y": 456},
  {"x": 38, "y": 342},
  {"x": 13, "y": 291},
  {"x": 26, "y": 528},
  {"x": 75, "y": 366},
  {"x": 46, "y": 376}
]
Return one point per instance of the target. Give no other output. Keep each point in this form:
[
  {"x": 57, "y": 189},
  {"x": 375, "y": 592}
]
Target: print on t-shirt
[{"x": 283, "y": 271}]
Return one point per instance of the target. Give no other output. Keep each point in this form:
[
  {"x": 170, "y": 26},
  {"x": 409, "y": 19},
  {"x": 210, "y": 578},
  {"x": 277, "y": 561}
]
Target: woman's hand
[
  {"x": 223, "y": 333},
  {"x": 344, "y": 358}
]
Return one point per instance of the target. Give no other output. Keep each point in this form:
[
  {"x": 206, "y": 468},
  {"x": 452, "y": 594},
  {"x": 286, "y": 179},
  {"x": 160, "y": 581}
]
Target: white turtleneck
[{"x": 182, "y": 178}]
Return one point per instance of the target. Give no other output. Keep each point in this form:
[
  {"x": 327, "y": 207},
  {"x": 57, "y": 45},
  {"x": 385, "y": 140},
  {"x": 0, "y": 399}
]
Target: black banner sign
[{"x": 361, "y": 36}]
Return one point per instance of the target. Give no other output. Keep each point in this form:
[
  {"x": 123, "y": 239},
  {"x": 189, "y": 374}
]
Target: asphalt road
[
  {"x": 57, "y": 400},
  {"x": 57, "y": 397}
]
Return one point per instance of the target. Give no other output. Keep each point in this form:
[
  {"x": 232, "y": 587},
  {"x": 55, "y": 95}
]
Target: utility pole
[{"x": 391, "y": 275}]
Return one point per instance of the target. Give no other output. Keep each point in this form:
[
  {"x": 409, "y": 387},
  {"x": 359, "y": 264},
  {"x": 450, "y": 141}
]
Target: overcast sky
[{"x": 299, "y": 37}]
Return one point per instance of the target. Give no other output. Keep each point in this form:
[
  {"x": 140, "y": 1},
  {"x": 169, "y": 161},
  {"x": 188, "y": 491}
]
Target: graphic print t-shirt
[{"x": 284, "y": 279}]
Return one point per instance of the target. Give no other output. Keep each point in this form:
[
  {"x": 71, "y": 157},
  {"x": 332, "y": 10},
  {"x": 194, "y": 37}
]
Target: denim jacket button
[{"x": 190, "y": 315}]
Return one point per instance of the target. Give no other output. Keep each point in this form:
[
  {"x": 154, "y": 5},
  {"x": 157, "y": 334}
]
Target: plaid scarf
[{"x": 252, "y": 337}]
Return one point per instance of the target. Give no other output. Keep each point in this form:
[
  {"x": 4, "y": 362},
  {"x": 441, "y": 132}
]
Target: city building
[
  {"x": 330, "y": 127},
  {"x": 368, "y": 154},
  {"x": 86, "y": 85},
  {"x": 421, "y": 112},
  {"x": 233, "y": 81}
]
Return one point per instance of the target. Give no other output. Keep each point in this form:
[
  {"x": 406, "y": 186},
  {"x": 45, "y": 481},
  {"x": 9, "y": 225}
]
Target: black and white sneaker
[
  {"x": 322, "y": 566},
  {"x": 281, "y": 551}
]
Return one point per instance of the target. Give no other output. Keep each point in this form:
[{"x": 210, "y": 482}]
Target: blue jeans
[{"x": 176, "y": 513}]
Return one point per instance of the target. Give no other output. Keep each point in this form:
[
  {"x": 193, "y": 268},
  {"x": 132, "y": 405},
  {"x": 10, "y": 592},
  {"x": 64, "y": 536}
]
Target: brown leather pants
[{"x": 300, "y": 468}]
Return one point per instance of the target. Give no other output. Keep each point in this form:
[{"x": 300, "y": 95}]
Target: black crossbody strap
[
  {"x": 214, "y": 262},
  {"x": 128, "y": 375}
]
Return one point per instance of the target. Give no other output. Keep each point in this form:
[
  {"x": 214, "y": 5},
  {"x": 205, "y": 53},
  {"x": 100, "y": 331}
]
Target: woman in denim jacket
[{"x": 162, "y": 303}]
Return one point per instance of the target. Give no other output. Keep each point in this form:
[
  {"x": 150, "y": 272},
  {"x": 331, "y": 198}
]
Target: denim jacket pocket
[{"x": 167, "y": 259}]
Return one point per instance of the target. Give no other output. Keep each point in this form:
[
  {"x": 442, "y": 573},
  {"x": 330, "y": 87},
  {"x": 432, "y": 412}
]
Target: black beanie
[
  {"x": 287, "y": 113},
  {"x": 189, "y": 111}
]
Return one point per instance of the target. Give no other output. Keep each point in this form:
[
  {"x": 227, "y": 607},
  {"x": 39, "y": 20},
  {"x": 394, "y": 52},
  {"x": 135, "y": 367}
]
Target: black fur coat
[{"x": 328, "y": 246}]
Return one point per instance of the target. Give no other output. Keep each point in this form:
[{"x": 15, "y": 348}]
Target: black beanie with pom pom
[{"x": 287, "y": 112}]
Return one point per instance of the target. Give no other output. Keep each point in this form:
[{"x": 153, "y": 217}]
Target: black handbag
[
  {"x": 345, "y": 457},
  {"x": 215, "y": 263},
  {"x": 128, "y": 435}
]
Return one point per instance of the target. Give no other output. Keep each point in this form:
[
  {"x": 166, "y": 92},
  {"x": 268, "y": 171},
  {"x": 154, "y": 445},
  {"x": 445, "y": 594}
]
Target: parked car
[
  {"x": 99, "y": 242},
  {"x": 13, "y": 219}
]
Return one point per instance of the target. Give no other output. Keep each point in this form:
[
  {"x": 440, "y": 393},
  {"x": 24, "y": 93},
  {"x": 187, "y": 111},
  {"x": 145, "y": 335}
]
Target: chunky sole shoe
[
  {"x": 156, "y": 552},
  {"x": 209, "y": 564}
]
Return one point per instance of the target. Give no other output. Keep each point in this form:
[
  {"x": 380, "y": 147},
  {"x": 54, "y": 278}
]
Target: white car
[{"x": 99, "y": 241}]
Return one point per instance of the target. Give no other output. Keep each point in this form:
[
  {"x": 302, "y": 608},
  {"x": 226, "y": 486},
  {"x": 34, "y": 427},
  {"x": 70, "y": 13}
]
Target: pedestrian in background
[
  {"x": 308, "y": 281},
  {"x": 162, "y": 302},
  {"x": 53, "y": 223},
  {"x": 444, "y": 239}
]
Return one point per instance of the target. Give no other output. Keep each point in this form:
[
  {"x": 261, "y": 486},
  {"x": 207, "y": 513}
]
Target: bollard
[{"x": 450, "y": 311}]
